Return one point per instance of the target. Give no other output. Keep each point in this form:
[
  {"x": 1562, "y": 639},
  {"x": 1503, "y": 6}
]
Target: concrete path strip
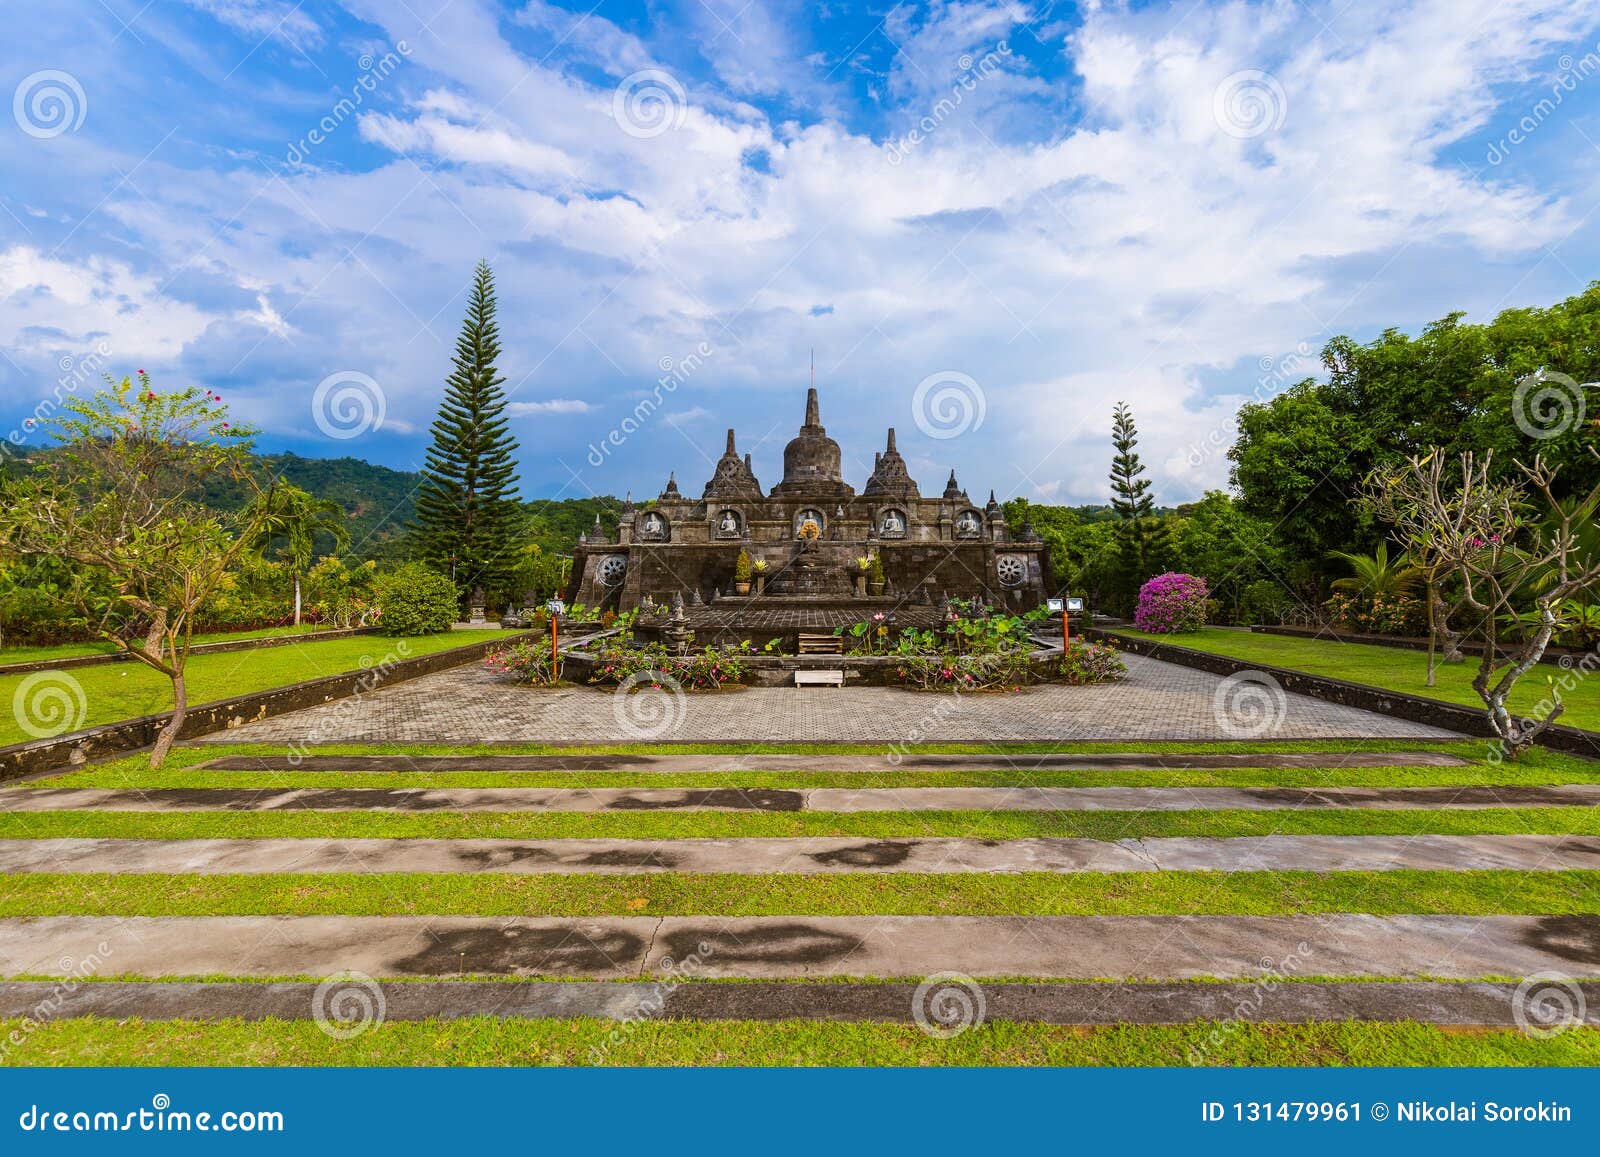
[
  {"x": 1066, "y": 947},
  {"x": 823, "y": 799},
  {"x": 880, "y": 762},
  {"x": 1464, "y": 1003},
  {"x": 809, "y": 856}
]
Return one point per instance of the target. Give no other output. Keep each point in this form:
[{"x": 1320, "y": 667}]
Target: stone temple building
[{"x": 810, "y": 529}]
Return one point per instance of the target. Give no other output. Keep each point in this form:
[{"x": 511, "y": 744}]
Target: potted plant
[
  {"x": 875, "y": 577},
  {"x": 741, "y": 573},
  {"x": 863, "y": 567},
  {"x": 758, "y": 567}
]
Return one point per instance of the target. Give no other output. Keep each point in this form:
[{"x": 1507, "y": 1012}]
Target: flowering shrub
[
  {"x": 617, "y": 659},
  {"x": 1091, "y": 663},
  {"x": 1379, "y": 615},
  {"x": 996, "y": 672},
  {"x": 525, "y": 661},
  {"x": 1170, "y": 603}
]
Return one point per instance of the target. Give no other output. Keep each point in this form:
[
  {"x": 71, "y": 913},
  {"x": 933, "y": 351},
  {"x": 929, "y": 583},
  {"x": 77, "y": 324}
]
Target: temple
[{"x": 810, "y": 531}]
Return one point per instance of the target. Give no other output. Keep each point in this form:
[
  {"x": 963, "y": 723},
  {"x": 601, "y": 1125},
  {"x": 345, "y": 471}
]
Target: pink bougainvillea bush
[{"x": 1170, "y": 603}]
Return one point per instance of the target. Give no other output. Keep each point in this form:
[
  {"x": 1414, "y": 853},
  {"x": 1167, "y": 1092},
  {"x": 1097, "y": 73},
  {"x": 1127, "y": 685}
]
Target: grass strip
[
  {"x": 1472, "y": 893},
  {"x": 493, "y": 1041},
  {"x": 1021, "y": 776},
  {"x": 1388, "y": 668},
  {"x": 997, "y": 825}
]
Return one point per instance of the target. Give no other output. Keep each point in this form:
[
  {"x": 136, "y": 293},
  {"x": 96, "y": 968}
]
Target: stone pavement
[
  {"x": 816, "y": 799},
  {"x": 1465, "y": 1003},
  {"x": 773, "y": 947},
  {"x": 1158, "y": 701},
  {"x": 803, "y": 856}
]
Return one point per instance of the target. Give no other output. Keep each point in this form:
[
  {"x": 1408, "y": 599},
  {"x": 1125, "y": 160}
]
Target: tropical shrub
[
  {"x": 741, "y": 568},
  {"x": 998, "y": 671},
  {"x": 525, "y": 661},
  {"x": 617, "y": 659},
  {"x": 1380, "y": 615},
  {"x": 1263, "y": 601},
  {"x": 1091, "y": 663},
  {"x": 1170, "y": 603},
  {"x": 414, "y": 600},
  {"x": 341, "y": 594}
]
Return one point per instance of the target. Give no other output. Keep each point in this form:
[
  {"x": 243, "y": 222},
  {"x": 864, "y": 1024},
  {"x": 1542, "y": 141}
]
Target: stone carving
[
  {"x": 892, "y": 524},
  {"x": 969, "y": 524},
  {"x": 810, "y": 517},
  {"x": 653, "y": 527},
  {"x": 729, "y": 524},
  {"x": 1012, "y": 569},
  {"x": 612, "y": 569}
]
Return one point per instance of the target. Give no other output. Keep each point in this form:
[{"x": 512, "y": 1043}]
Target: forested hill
[{"x": 379, "y": 502}]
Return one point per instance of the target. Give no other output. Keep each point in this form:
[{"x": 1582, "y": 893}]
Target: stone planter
[
  {"x": 741, "y": 588},
  {"x": 761, "y": 584},
  {"x": 875, "y": 589},
  {"x": 861, "y": 586}
]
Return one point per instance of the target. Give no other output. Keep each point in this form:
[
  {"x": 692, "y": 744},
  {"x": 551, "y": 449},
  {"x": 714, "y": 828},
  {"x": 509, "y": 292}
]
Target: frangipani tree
[
  {"x": 1512, "y": 567},
  {"x": 122, "y": 498}
]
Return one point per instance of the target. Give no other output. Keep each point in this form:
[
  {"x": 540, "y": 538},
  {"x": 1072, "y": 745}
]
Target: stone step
[
  {"x": 1463, "y": 1003},
  {"x": 877, "y": 762},
  {"x": 642, "y": 799},
  {"x": 810, "y": 856},
  {"x": 1065, "y": 947}
]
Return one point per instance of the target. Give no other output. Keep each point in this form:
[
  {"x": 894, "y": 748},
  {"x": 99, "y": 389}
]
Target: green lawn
[
  {"x": 1393, "y": 668},
  {"x": 73, "y": 650},
  {"x": 1479, "y": 893},
  {"x": 496, "y": 1041},
  {"x": 997, "y": 825},
  {"x": 117, "y": 691}
]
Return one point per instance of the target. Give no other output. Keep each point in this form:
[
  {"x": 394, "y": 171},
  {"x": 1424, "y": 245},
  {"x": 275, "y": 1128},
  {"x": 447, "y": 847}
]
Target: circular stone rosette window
[
  {"x": 1012, "y": 570},
  {"x": 611, "y": 570}
]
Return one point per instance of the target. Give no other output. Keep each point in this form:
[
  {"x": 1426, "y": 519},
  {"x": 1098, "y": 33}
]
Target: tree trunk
[
  {"x": 1433, "y": 627},
  {"x": 180, "y": 709},
  {"x": 297, "y": 598}
]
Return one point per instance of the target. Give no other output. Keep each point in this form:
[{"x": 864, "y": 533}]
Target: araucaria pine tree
[
  {"x": 1141, "y": 536},
  {"x": 467, "y": 518}
]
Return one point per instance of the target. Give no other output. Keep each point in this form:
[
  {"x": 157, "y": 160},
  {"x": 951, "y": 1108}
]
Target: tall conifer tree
[
  {"x": 467, "y": 518},
  {"x": 1142, "y": 539}
]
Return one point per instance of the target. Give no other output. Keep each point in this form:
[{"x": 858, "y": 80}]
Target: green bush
[
  {"x": 1091, "y": 663},
  {"x": 414, "y": 600}
]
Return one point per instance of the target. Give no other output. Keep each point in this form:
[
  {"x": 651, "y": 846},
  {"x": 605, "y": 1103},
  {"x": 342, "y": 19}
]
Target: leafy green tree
[
  {"x": 1234, "y": 552},
  {"x": 122, "y": 500},
  {"x": 290, "y": 520},
  {"x": 467, "y": 514}
]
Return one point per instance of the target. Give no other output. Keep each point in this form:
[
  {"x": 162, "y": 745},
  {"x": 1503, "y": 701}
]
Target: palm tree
[
  {"x": 296, "y": 517},
  {"x": 1375, "y": 575}
]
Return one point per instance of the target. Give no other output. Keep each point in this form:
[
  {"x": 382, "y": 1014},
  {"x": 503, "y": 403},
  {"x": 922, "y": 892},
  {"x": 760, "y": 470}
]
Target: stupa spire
[{"x": 813, "y": 410}]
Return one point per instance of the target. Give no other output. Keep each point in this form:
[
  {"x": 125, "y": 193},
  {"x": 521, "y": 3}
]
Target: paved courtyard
[{"x": 1157, "y": 701}]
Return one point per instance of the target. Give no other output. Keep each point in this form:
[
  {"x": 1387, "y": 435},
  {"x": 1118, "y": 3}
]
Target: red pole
[{"x": 1066, "y": 631}]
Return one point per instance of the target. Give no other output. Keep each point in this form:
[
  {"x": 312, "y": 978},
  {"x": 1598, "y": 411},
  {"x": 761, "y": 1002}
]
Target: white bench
[{"x": 819, "y": 678}]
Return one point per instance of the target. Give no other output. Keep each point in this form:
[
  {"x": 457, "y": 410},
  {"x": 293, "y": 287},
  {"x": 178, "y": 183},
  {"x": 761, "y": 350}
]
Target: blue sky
[{"x": 989, "y": 220}]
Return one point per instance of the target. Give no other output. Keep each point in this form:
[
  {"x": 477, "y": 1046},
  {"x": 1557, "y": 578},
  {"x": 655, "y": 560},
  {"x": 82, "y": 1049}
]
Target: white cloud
[{"x": 552, "y": 406}]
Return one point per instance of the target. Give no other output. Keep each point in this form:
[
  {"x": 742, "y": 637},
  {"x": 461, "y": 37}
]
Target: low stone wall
[
  {"x": 198, "y": 649},
  {"x": 1467, "y": 720},
  {"x": 219, "y": 715}
]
